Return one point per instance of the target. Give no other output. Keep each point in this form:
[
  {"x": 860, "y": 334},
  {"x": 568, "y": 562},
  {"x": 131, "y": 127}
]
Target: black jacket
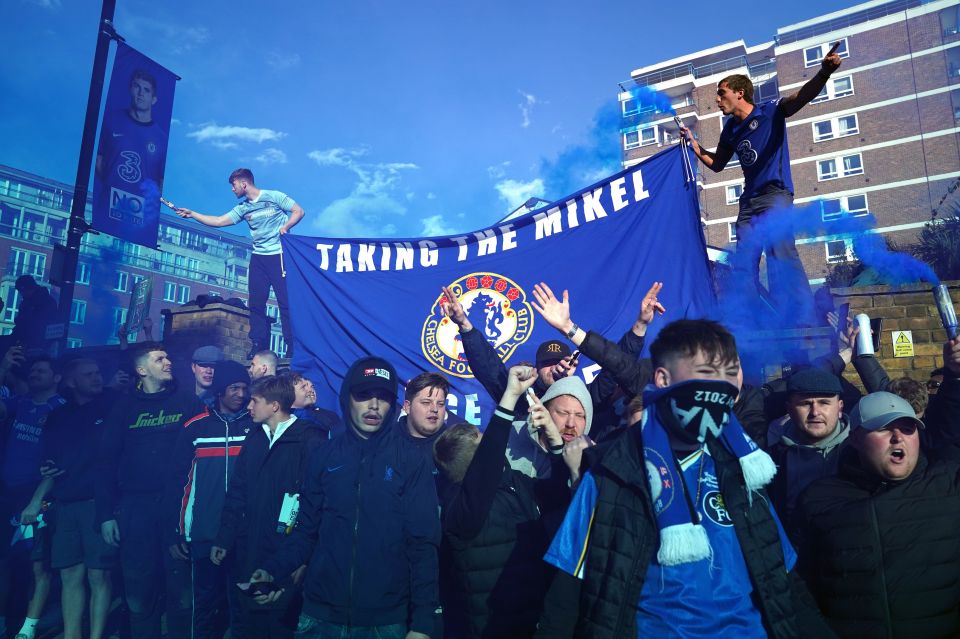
[
  {"x": 495, "y": 533},
  {"x": 882, "y": 558},
  {"x": 263, "y": 474},
  {"x": 624, "y": 539},
  {"x": 37, "y": 310},
  {"x": 202, "y": 463},
  {"x": 369, "y": 529},
  {"x": 71, "y": 438},
  {"x": 137, "y": 444}
]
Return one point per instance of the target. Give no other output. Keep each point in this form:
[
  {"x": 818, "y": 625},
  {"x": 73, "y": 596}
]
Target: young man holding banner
[{"x": 270, "y": 214}]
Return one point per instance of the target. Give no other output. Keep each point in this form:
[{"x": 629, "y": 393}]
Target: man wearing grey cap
[
  {"x": 805, "y": 445},
  {"x": 202, "y": 364},
  {"x": 878, "y": 543}
]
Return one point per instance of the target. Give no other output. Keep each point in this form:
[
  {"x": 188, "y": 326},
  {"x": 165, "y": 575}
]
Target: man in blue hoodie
[{"x": 373, "y": 505}]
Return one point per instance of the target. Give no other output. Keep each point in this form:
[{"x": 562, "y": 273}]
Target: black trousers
[
  {"x": 152, "y": 579},
  {"x": 214, "y": 595},
  {"x": 265, "y": 272}
]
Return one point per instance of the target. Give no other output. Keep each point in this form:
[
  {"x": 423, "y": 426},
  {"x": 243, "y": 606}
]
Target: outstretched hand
[
  {"x": 554, "y": 311},
  {"x": 649, "y": 307},
  {"x": 519, "y": 379},
  {"x": 453, "y": 309}
]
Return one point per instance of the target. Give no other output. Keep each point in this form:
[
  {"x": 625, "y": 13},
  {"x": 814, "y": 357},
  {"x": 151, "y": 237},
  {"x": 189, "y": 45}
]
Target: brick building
[
  {"x": 191, "y": 260},
  {"x": 881, "y": 138}
]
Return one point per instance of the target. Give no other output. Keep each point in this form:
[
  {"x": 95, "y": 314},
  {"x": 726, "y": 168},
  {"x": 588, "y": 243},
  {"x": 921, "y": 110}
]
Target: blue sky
[{"x": 381, "y": 118}]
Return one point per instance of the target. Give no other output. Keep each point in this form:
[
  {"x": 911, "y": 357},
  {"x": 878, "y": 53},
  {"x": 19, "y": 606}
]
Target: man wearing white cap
[{"x": 878, "y": 546}]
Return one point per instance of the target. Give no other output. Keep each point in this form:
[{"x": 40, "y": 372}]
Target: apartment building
[
  {"x": 881, "y": 138},
  {"x": 191, "y": 260}
]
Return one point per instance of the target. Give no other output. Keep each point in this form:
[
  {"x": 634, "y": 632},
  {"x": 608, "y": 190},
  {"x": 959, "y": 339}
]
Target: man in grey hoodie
[{"x": 806, "y": 443}]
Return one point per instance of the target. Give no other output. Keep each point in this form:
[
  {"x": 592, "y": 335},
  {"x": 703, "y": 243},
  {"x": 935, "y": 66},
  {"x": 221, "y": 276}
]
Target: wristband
[
  {"x": 573, "y": 331},
  {"x": 555, "y": 449}
]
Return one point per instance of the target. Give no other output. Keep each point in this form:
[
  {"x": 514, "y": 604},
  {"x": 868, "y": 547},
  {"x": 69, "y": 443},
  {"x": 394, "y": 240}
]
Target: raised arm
[
  {"x": 793, "y": 103},
  {"x": 211, "y": 220}
]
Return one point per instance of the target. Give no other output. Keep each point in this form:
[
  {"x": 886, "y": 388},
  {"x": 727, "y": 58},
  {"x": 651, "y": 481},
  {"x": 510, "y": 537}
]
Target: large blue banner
[
  {"x": 605, "y": 244},
  {"x": 132, "y": 153}
]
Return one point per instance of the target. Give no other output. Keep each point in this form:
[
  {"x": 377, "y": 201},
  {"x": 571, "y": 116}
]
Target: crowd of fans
[{"x": 664, "y": 498}]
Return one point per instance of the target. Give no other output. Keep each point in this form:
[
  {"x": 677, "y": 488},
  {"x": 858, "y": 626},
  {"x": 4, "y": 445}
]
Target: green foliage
[{"x": 939, "y": 244}]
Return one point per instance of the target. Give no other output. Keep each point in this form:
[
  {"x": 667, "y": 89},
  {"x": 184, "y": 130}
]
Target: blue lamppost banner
[
  {"x": 132, "y": 152},
  {"x": 605, "y": 244}
]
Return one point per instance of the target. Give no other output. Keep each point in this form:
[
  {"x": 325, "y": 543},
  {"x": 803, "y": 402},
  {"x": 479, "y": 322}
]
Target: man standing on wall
[{"x": 270, "y": 214}]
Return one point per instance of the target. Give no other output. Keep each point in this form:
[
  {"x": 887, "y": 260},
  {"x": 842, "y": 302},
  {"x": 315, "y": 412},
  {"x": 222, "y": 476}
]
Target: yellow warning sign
[{"x": 902, "y": 344}]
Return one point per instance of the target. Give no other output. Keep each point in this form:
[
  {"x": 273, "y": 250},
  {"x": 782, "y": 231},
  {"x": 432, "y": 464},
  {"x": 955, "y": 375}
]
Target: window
[
  {"x": 74, "y": 342},
  {"x": 11, "y": 303},
  {"x": 83, "y": 273},
  {"x": 840, "y": 166},
  {"x": 23, "y": 262},
  {"x": 835, "y": 88},
  {"x": 838, "y": 251},
  {"x": 271, "y": 311},
  {"x": 277, "y": 345},
  {"x": 734, "y": 191},
  {"x": 853, "y": 205},
  {"x": 732, "y": 231},
  {"x": 767, "y": 91},
  {"x": 137, "y": 279},
  {"x": 184, "y": 294},
  {"x": 78, "y": 312},
  {"x": 123, "y": 279},
  {"x": 630, "y": 106},
  {"x": 119, "y": 317},
  {"x": 812, "y": 56},
  {"x": 9, "y": 220},
  {"x": 835, "y": 127},
  {"x": 640, "y": 137},
  {"x": 169, "y": 292}
]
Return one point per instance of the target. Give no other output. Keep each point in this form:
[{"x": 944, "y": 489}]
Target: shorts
[{"x": 76, "y": 539}]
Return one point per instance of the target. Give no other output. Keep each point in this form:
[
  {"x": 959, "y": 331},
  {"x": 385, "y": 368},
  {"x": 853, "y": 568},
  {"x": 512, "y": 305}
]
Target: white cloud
[
  {"x": 515, "y": 193},
  {"x": 431, "y": 196},
  {"x": 272, "y": 156},
  {"x": 367, "y": 210},
  {"x": 228, "y": 137},
  {"x": 281, "y": 61},
  {"x": 174, "y": 38},
  {"x": 497, "y": 171},
  {"x": 526, "y": 107},
  {"x": 46, "y": 4},
  {"x": 435, "y": 225}
]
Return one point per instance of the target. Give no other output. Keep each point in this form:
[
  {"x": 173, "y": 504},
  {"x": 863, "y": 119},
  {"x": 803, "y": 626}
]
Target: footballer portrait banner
[
  {"x": 132, "y": 152},
  {"x": 606, "y": 244}
]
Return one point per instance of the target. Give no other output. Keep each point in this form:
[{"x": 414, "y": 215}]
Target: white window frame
[
  {"x": 277, "y": 345},
  {"x": 169, "y": 291},
  {"x": 78, "y": 312},
  {"x": 627, "y": 112},
  {"x": 732, "y": 231},
  {"x": 183, "y": 294},
  {"x": 74, "y": 342},
  {"x": 27, "y": 263},
  {"x": 835, "y": 127},
  {"x": 123, "y": 282},
  {"x": 843, "y": 51},
  {"x": 830, "y": 91},
  {"x": 835, "y": 258},
  {"x": 732, "y": 189},
  {"x": 845, "y": 207},
  {"x": 838, "y": 165},
  {"x": 640, "y": 137},
  {"x": 11, "y": 305},
  {"x": 83, "y": 273}
]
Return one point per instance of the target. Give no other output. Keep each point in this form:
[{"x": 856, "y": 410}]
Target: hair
[
  {"x": 912, "y": 391},
  {"x": 275, "y": 388},
  {"x": 71, "y": 366},
  {"x": 141, "y": 352},
  {"x": 633, "y": 406},
  {"x": 140, "y": 74},
  {"x": 44, "y": 358},
  {"x": 683, "y": 338},
  {"x": 454, "y": 449},
  {"x": 426, "y": 380},
  {"x": 938, "y": 371},
  {"x": 242, "y": 174},
  {"x": 739, "y": 82},
  {"x": 268, "y": 357}
]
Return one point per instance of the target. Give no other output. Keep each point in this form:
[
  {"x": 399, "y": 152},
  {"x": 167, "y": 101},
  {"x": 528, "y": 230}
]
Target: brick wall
[
  {"x": 906, "y": 308},
  {"x": 188, "y": 327}
]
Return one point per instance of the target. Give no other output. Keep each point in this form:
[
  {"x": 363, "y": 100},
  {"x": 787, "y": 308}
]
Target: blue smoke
[
  {"x": 581, "y": 165},
  {"x": 647, "y": 97}
]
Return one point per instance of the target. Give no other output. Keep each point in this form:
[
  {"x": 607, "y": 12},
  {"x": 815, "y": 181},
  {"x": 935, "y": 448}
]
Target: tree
[{"x": 939, "y": 243}]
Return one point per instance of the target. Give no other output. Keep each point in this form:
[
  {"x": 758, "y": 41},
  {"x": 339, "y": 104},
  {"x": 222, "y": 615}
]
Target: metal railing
[{"x": 873, "y": 13}]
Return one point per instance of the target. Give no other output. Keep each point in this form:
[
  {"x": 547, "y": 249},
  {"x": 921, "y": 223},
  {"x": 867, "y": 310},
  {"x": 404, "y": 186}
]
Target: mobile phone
[
  {"x": 574, "y": 356},
  {"x": 532, "y": 396},
  {"x": 833, "y": 49},
  {"x": 258, "y": 588},
  {"x": 843, "y": 312},
  {"x": 168, "y": 204}
]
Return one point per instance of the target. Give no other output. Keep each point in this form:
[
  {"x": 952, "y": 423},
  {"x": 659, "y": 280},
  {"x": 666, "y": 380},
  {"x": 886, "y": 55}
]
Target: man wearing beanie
[
  {"x": 670, "y": 532},
  {"x": 810, "y": 438},
  {"x": 368, "y": 526},
  {"x": 878, "y": 542},
  {"x": 202, "y": 464}
]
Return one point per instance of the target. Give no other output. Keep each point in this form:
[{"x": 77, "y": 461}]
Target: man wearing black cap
[
  {"x": 203, "y": 363},
  {"x": 878, "y": 543},
  {"x": 202, "y": 464},
  {"x": 807, "y": 442},
  {"x": 372, "y": 505}
]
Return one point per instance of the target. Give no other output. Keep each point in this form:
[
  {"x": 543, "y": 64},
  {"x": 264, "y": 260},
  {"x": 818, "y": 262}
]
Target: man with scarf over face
[{"x": 670, "y": 532}]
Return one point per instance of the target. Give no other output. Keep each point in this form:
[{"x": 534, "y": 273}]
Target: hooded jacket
[
  {"x": 137, "y": 444},
  {"x": 201, "y": 466},
  {"x": 372, "y": 504}
]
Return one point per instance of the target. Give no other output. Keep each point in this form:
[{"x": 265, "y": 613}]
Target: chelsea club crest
[{"x": 496, "y": 307}]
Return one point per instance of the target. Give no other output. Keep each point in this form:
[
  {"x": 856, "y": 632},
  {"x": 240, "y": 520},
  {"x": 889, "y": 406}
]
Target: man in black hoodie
[
  {"x": 204, "y": 456},
  {"x": 135, "y": 451},
  {"x": 372, "y": 505}
]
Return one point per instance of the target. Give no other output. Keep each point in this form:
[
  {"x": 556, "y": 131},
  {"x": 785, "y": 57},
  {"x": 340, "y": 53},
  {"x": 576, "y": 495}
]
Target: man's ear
[
  {"x": 661, "y": 377},
  {"x": 406, "y": 406}
]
